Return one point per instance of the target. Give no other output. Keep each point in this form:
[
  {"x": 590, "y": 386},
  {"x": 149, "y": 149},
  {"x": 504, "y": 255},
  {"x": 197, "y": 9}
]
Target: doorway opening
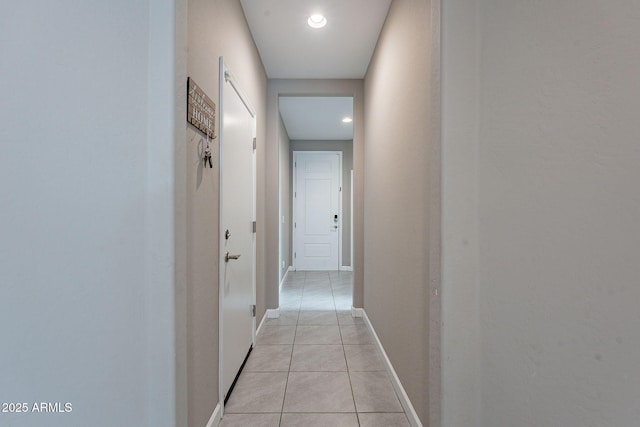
[{"x": 315, "y": 191}]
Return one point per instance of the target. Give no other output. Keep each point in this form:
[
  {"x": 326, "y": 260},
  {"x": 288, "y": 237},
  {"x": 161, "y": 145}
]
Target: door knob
[{"x": 228, "y": 256}]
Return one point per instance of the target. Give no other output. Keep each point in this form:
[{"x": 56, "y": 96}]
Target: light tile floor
[{"x": 316, "y": 365}]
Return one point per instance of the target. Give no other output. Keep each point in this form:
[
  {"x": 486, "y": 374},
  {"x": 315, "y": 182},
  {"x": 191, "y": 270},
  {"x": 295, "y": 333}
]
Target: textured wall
[
  {"x": 86, "y": 217},
  {"x": 398, "y": 195},
  {"x": 215, "y": 28},
  {"x": 460, "y": 316},
  {"x": 558, "y": 212},
  {"x": 284, "y": 148}
]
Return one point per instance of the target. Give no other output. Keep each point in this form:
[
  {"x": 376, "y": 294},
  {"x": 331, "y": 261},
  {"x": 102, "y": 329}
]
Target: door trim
[
  {"x": 293, "y": 198},
  {"x": 225, "y": 76}
]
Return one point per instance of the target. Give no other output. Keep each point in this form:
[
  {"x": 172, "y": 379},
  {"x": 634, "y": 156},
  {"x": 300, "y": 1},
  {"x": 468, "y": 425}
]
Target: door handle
[{"x": 228, "y": 256}]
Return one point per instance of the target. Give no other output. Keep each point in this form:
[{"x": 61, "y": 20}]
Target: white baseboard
[
  {"x": 285, "y": 277},
  {"x": 268, "y": 314},
  {"x": 346, "y": 268},
  {"x": 261, "y": 323},
  {"x": 397, "y": 385},
  {"x": 357, "y": 312},
  {"x": 215, "y": 417}
]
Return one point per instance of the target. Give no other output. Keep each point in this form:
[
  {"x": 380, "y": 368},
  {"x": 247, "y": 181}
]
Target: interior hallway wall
[
  {"x": 313, "y": 87},
  {"x": 555, "y": 157},
  {"x": 558, "y": 212},
  {"x": 399, "y": 212},
  {"x": 461, "y": 406},
  {"x": 86, "y": 219},
  {"x": 215, "y": 28},
  {"x": 346, "y": 148},
  {"x": 284, "y": 148}
]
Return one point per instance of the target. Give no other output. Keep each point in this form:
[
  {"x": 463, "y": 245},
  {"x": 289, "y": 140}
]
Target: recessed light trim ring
[{"x": 317, "y": 21}]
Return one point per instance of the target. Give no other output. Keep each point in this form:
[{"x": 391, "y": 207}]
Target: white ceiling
[
  {"x": 317, "y": 118},
  {"x": 290, "y": 49}
]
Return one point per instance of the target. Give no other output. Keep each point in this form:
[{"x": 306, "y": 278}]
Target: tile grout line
[
  {"x": 293, "y": 346},
  {"x": 334, "y": 310},
  {"x": 344, "y": 353}
]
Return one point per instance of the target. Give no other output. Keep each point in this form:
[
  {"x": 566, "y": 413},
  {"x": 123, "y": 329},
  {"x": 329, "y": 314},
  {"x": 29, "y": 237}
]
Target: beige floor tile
[
  {"x": 253, "y": 420},
  {"x": 290, "y": 303},
  {"x": 317, "y": 304},
  {"x": 355, "y": 334},
  {"x": 318, "y": 358},
  {"x": 345, "y": 318},
  {"x": 318, "y": 318},
  {"x": 318, "y": 392},
  {"x": 363, "y": 358},
  {"x": 269, "y": 357},
  {"x": 317, "y": 293},
  {"x": 272, "y": 334},
  {"x": 319, "y": 420},
  {"x": 286, "y": 318},
  {"x": 373, "y": 392},
  {"x": 383, "y": 420},
  {"x": 318, "y": 335},
  {"x": 316, "y": 344},
  {"x": 257, "y": 392}
]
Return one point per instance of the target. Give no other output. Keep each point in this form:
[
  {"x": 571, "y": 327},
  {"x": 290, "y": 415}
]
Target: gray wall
[
  {"x": 558, "y": 212},
  {"x": 556, "y": 95},
  {"x": 86, "y": 224},
  {"x": 215, "y": 28},
  {"x": 277, "y": 87},
  {"x": 399, "y": 208},
  {"x": 346, "y": 148},
  {"x": 461, "y": 403},
  {"x": 284, "y": 148}
]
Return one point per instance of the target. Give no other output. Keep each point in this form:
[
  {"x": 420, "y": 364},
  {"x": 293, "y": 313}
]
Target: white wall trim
[
  {"x": 215, "y": 417},
  {"x": 356, "y": 312},
  {"x": 284, "y": 278},
  {"x": 273, "y": 313},
  {"x": 260, "y": 325},
  {"x": 397, "y": 385},
  {"x": 346, "y": 268},
  {"x": 269, "y": 314}
]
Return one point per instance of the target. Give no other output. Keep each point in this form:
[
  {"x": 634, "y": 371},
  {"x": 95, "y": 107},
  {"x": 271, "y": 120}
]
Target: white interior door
[
  {"x": 317, "y": 210},
  {"x": 237, "y": 238}
]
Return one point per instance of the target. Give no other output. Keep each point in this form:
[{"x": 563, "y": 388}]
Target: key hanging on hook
[{"x": 207, "y": 154}]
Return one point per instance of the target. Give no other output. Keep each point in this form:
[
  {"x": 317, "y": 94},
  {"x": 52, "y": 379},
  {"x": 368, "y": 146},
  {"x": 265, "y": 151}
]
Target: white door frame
[
  {"x": 226, "y": 76},
  {"x": 340, "y": 213}
]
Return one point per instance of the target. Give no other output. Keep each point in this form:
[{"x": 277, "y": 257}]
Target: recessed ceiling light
[
  {"x": 347, "y": 120},
  {"x": 317, "y": 21}
]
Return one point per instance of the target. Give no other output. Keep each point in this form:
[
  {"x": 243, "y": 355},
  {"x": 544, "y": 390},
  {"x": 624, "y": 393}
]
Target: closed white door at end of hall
[{"x": 317, "y": 210}]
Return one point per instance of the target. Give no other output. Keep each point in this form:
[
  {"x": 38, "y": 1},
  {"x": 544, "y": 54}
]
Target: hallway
[{"x": 315, "y": 365}]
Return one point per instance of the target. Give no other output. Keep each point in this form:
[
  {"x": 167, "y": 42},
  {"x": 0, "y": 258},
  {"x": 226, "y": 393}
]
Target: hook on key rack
[{"x": 207, "y": 153}]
